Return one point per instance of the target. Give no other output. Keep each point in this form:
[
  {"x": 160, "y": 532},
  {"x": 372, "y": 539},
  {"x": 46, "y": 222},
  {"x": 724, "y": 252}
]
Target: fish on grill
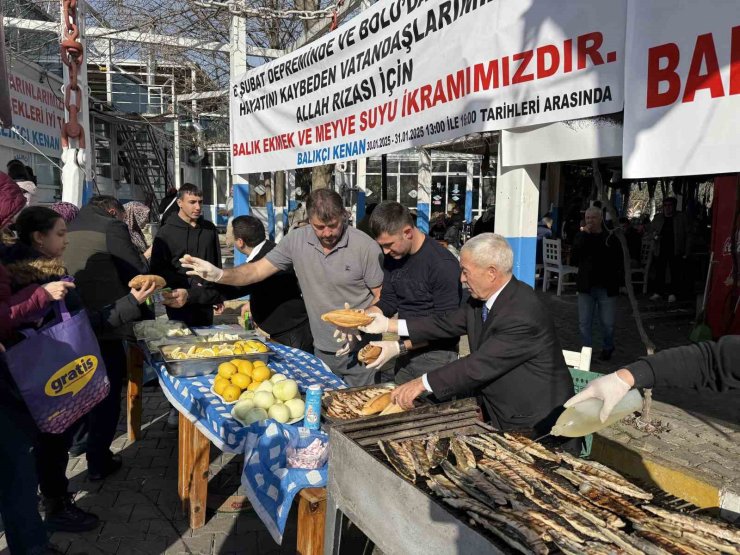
[
  {"x": 505, "y": 535},
  {"x": 399, "y": 458},
  {"x": 688, "y": 535},
  {"x": 607, "y": 477},
  {"x": 440, "y": 485},
  {"x": 497, "y": 469},
  {"x": 504, "y": 447},
  {"x": 695, "y": 523},
  {"x": 533, "y": 448},
  {"x": 467, "y": 484},
  {"x": 418, "y": 456},
  {"x": 668, "y": 538},
  {"x": 606, "y": 499},
  {"x": 437, "y": 449},
  {"x": 668, "y": 544},
  {"x": 348, "y": 405},
  {"x": 550, "y": 520},
  {"x": 569, "y": 547},
  {"x": 464, "y": 457}
]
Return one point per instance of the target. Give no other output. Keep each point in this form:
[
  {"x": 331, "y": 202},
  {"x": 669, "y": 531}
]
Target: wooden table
[
  {"x": 135, "y": 367},
  {"x": 193, "y": 457}
]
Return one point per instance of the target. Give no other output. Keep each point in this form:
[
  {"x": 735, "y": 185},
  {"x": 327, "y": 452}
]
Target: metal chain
[
  {"x": 72, "y": 57},
  {"x": 238, "y": 8}
]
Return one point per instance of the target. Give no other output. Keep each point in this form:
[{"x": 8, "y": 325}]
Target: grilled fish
[
  {"x": 437, "y": 449},
  {"x": 717, "y": 529},
  {"x": 533, "y": 448},
  {"x": 399, "y": 458},
  {"x": 466, "y": 484},
  {"x": 418, "y": 456},
  {"x": 464, "y": 457},
  {"x": 610, "y": 501},
  {"x": 607, "y": 477}
]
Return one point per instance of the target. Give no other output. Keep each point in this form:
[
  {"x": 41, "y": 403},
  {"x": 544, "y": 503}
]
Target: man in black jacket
[
  {"x": 421, "y": 277},
  {"x": 706, "y": 365},
  {"x": 192, "y": 299},
  {"x": 516, "y": 364},
  {"x": 276, "y": 303},
  {"x": 103, "y": 259}
]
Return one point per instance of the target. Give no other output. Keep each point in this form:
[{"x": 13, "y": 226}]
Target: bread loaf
[
  {"x": 145, "y": 281},
  {"x": 392, "y": 408},
  {"x": 347, "y": 318},
  {"x": 377, "y": 404},
  {"x": 369, "y": 353}
]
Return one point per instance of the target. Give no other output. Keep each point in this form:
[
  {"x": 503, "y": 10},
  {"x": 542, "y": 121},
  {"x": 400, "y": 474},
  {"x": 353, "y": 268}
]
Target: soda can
[{"x": 312, "y": 416}]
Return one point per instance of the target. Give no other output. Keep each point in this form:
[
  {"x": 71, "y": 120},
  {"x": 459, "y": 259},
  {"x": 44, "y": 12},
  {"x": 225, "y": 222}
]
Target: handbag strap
[{"x": 61, "y": 311}]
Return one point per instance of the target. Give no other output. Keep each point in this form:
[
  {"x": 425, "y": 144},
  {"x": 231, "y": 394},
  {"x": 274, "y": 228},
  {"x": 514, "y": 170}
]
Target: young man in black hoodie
[{"x": 192, "y": 299}]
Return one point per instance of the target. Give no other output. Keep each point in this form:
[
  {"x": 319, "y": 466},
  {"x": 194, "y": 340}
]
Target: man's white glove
[
  {"x": 610, "y": 389},
  {"x": 201, "y": 268},
  {"x": 378, "y": 325},
  {"x": 390, "y": 350}
]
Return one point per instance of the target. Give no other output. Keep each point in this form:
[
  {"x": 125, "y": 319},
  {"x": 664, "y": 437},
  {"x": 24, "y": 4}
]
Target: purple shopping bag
[{"x": 59, "y": 371}]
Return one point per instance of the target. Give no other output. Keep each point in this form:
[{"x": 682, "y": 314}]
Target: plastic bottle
[{"x": 582, "y": 419}]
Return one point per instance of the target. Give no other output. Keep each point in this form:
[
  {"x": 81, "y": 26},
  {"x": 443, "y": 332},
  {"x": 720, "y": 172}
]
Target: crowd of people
[{"x": 421, "y": 297}]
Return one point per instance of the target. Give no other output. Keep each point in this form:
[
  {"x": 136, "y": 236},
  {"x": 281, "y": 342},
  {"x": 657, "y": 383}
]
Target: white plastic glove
[
  {"x": 610, "y": 389},
  {"x": 201, "y": 268},
  {"x": 390, "y": 350},
  {"x": 378, "y": 325}
]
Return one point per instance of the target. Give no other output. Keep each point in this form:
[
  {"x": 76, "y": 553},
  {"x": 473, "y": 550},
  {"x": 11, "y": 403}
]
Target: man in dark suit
[
  {"x": 516, "y": 364},
  {"x": 276, "y": 303}
]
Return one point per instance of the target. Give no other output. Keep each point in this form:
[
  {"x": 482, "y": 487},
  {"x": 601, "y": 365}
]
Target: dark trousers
[
  {"x": 675, "y": 264},
  {"x": 95, "y": 432},
  {"x": 24, "y": 529},
  {"x": 102, "y": 420},
  {"x": 299, "y": 337}
]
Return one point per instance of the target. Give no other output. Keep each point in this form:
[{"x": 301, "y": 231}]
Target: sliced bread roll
[
  {"x": 144, "y": 281},
  {"x": 376, "y": 404}
]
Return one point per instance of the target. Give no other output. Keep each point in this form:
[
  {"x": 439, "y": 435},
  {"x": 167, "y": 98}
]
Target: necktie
[{"x": 484, "y": 313}]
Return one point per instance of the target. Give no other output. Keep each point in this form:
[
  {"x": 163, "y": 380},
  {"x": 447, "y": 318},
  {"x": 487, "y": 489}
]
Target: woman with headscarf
[
  {"x": 137, "y": 216},
  {"x": 66, "y": 210}
]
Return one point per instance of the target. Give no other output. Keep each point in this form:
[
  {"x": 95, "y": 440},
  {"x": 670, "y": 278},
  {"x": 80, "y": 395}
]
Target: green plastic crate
[{"x": 581, "y": 379}]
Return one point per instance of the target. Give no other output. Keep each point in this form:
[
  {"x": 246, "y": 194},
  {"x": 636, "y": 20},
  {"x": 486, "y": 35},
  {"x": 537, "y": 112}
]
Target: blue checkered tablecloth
[
  {"x": 270, "y": 485},
  {"x": 193, "y": 397}
]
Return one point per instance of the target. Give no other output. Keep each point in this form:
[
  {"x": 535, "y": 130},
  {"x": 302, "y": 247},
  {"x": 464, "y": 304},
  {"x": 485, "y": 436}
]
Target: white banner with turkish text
[
  {"x": 682, "y": 99},
  {"x": 409, "y": 73}
]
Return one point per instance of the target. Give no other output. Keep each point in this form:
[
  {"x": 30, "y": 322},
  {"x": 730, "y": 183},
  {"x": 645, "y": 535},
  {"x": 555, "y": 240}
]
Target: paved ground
[{"x": 140, "y": 509}]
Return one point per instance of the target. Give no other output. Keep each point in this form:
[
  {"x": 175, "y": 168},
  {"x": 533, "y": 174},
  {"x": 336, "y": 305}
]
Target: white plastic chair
[
  {"x": 579, "y": 360},
  {"x": 553, "y": 261},
  {"x": 646, "y": 257}
]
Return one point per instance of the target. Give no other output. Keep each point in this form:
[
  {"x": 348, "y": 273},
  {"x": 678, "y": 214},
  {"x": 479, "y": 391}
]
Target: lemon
[
  {"x": 244, "y": 366},
  {"x": 231, "y": 393},
  {"x": 241, "y": 381},
  {"x": 261, "y": 348},
  {"x": 226, "y": 352},
  {"x": 218, "y": 379},
  {"x": 259, "y": 363},
  {"x": 253, "y": 386},
  {"x": 260, "y": 373},
  {"x": 220, "y": 387},
  {"x": 206, "y": 353},
  {"x": 191, "y": 351},
  {"x": 238, "y": 351},
  {"x": 227, "y": 369}
]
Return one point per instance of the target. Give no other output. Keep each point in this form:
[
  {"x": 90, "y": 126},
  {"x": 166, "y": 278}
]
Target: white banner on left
[
  {"x": 682, "y": 100},
  {"x": 411, "y": 72},
  {"x": 38, "y": 113}
]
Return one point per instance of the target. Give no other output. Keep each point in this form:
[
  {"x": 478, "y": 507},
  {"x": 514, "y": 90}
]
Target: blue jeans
[{"x": 588, "y": 303}]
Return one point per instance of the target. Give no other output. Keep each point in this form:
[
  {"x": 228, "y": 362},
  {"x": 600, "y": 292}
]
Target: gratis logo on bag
[{"x": 59, "y": 371}]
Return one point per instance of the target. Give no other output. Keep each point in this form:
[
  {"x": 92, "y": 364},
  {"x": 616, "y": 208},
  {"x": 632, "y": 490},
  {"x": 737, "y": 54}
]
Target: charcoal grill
[{"x": 400, "y": 517}]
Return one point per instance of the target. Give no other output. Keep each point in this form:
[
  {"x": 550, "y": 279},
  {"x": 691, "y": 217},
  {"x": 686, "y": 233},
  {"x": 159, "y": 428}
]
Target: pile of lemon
[
  {"x": 242, "y": 347},
  {"x": 237, "y": 376}
]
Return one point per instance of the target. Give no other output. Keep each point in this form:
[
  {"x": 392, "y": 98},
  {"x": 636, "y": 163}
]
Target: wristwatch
[{"x": 402, "y": 350}]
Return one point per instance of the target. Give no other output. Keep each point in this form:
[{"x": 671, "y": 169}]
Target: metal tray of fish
[
  {"x": 191, "y": 367},
  {"x": 328, "y": 395}
]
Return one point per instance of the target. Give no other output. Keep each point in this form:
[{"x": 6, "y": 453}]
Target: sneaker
[
  {"x": 671, "y": 298},
  {"x": 655, "y": 297},
  {"x": 110, "y": 467},
  {"x": 606, "y": 354},
  {"x": 62, "y": 515},
  {"x": 173, "y": 419}
]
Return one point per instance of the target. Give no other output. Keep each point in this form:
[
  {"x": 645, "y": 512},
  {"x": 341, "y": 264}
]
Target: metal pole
[
  {"x": 238, "y": 66},
  {"x": 109, "y": 72},
  {"x": 383, "y": 177},
  {"x": 176, "y": 146}
]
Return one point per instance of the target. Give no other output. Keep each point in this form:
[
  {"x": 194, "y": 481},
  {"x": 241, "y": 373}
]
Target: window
[{"x": 409, "y": 185}]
